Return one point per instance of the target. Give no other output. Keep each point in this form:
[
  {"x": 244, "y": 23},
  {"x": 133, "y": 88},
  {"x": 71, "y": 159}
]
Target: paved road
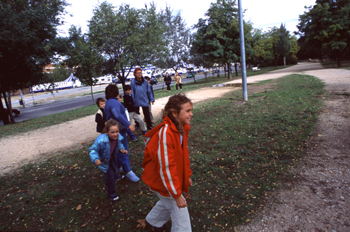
[{"x": 62, "y": 105}]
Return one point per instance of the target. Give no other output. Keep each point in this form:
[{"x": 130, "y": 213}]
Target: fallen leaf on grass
[
  {"x": 319, "y": 135},
  {"x": 78, "y": 207},
  {"x": 83, "y": 225},
  {"x": 141, "y": 223},
  {"x": 248, "y": 220}
]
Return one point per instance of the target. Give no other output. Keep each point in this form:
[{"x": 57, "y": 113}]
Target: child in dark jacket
[
  {"x": 128, "y": 131},
  {"x": 100, "y": 117},
  {"x": 129, "y": 104}
]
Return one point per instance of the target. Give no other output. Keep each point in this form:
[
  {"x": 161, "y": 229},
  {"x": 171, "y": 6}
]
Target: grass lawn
[
  {"x": 333, "y": 64},
  {"x": 240, "y": 155},
  {"x": 54, "y": 119}
]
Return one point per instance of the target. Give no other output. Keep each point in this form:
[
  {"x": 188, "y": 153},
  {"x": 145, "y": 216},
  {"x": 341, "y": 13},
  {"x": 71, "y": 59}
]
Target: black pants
[
  {"x": 177, "y": 85},
  {"x": 168, "y": 87},
  {"x": 145, "y": 111}
]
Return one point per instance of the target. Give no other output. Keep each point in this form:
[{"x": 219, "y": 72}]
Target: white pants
[
  {"x": 134, "y": 116},
  {"x": 165, "y": 209}
]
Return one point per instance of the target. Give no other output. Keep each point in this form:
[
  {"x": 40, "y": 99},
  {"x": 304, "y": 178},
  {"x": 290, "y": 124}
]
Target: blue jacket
[
  {"x": 115, "y": 110},
  {"x": 141, "y": 93},
  {"x": 101, "y": 150}
]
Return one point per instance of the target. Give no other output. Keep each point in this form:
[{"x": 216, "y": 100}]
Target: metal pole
[{"x": 243, "y": 65}]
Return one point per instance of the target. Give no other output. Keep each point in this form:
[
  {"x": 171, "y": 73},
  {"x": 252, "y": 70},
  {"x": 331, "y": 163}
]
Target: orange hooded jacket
[{"x": 166, "y": 163}]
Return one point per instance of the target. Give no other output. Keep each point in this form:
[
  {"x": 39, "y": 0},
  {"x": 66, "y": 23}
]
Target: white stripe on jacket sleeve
[
  {"x": 167, "y": 160},
  {"x": 160, "y": 160}
]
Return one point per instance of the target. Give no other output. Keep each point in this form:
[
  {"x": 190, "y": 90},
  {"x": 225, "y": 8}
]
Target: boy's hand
[
  {"x": 152, "y": 103},
  {"x": 190, "y": 182},
  {"x": 180, "y": 202},
  {"x": 98, "y": 162},
  {"x": 132, "y": 128},
  {"x": 123, "y": 151}
]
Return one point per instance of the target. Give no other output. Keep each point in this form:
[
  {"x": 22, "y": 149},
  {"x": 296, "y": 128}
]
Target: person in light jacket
[{"x": 142, "y": 95}]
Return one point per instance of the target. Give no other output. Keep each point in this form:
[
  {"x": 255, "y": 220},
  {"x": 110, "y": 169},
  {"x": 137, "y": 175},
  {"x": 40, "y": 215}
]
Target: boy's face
[
  {"x": 119, "y": 99},
  {"x": 128, "y": 91},
  {"x": 102, "y": 105}
]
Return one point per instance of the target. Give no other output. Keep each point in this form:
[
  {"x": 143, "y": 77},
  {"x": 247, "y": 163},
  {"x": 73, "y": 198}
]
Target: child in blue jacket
[{"x": 105, "y": 153}]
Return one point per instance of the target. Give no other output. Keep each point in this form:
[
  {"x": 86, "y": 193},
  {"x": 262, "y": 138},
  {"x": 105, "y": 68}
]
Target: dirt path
[{"x": 318, "y": 198}]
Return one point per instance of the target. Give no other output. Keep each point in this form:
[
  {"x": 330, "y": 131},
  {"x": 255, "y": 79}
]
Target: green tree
[
  {"x": 217, "y": 36},
  {"x": 28, "y": 27},
  {"x": 178, "y": 41},
  {"x": 126, "y": 37},
  {"x": 324, "y": 30},
  {"x": 83, "y": 58},
  {"x": 283, "y": 43},
  {"x": 60, "y": 73}
]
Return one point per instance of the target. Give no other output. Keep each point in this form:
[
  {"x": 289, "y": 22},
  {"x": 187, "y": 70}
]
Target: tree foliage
[
  {"x": 324, "y": 30},
  {"x": 28, "y": 29},
  {"x": 60, "y": 73},
  {"x": 126, "y": 37},
  {"x": 217, "y": 37},
  {"x": 83, "y": 58},
  {"x": 177, "y": 39},
  {"x": 283, "y": 43}
]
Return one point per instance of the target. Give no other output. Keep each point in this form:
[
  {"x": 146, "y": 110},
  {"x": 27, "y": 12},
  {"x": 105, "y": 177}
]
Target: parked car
[
  {"x": 15, "y": 112},
  {"x": 190, "y": 75}
]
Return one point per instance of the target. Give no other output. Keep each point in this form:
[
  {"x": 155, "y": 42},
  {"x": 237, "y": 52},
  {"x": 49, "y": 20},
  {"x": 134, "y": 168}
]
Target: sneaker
[
  {"x": 132, "y": 177},
  {"x": 114, "y": 197}
]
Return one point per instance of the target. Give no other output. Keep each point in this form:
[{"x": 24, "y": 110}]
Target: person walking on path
[
  {"x": 167, "y": 81},
  {"x": 142, "y": 95},
  {"x": 177, "y": 80},
  {"x": 115, "y": 110},
  {"x": 167, "y": 167}
]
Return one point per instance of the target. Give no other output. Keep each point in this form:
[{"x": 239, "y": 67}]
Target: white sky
[{"x": 262, "y": 13}]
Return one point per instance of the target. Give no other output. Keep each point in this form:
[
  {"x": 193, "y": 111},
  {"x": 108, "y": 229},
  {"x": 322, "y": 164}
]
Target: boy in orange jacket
[{"x": 167, "y": 167}]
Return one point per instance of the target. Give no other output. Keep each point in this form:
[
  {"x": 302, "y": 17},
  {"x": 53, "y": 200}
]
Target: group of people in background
[
  {"x": 166, "y": 165},
  {"x": 177, "y": 78}
]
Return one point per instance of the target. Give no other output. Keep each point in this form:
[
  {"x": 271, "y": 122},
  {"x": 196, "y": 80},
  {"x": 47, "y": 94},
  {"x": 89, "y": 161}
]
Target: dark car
[{"x": 15, "y": 112}]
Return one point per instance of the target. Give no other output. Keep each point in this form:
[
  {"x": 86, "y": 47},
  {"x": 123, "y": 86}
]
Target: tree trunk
[
  {"x": 92, "y": 95},
  {"x": 236, "y": 69},
  {"x": 284, "y": 61},
  {"x": 9, "y": 107},
  {"x": 338, "y": 62},
  {"x": 225, "y": 70},
  {"x": 4, "y": 116},
  {"x": 218, "y": 72},
  {"x": 229, "y": 70}
]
